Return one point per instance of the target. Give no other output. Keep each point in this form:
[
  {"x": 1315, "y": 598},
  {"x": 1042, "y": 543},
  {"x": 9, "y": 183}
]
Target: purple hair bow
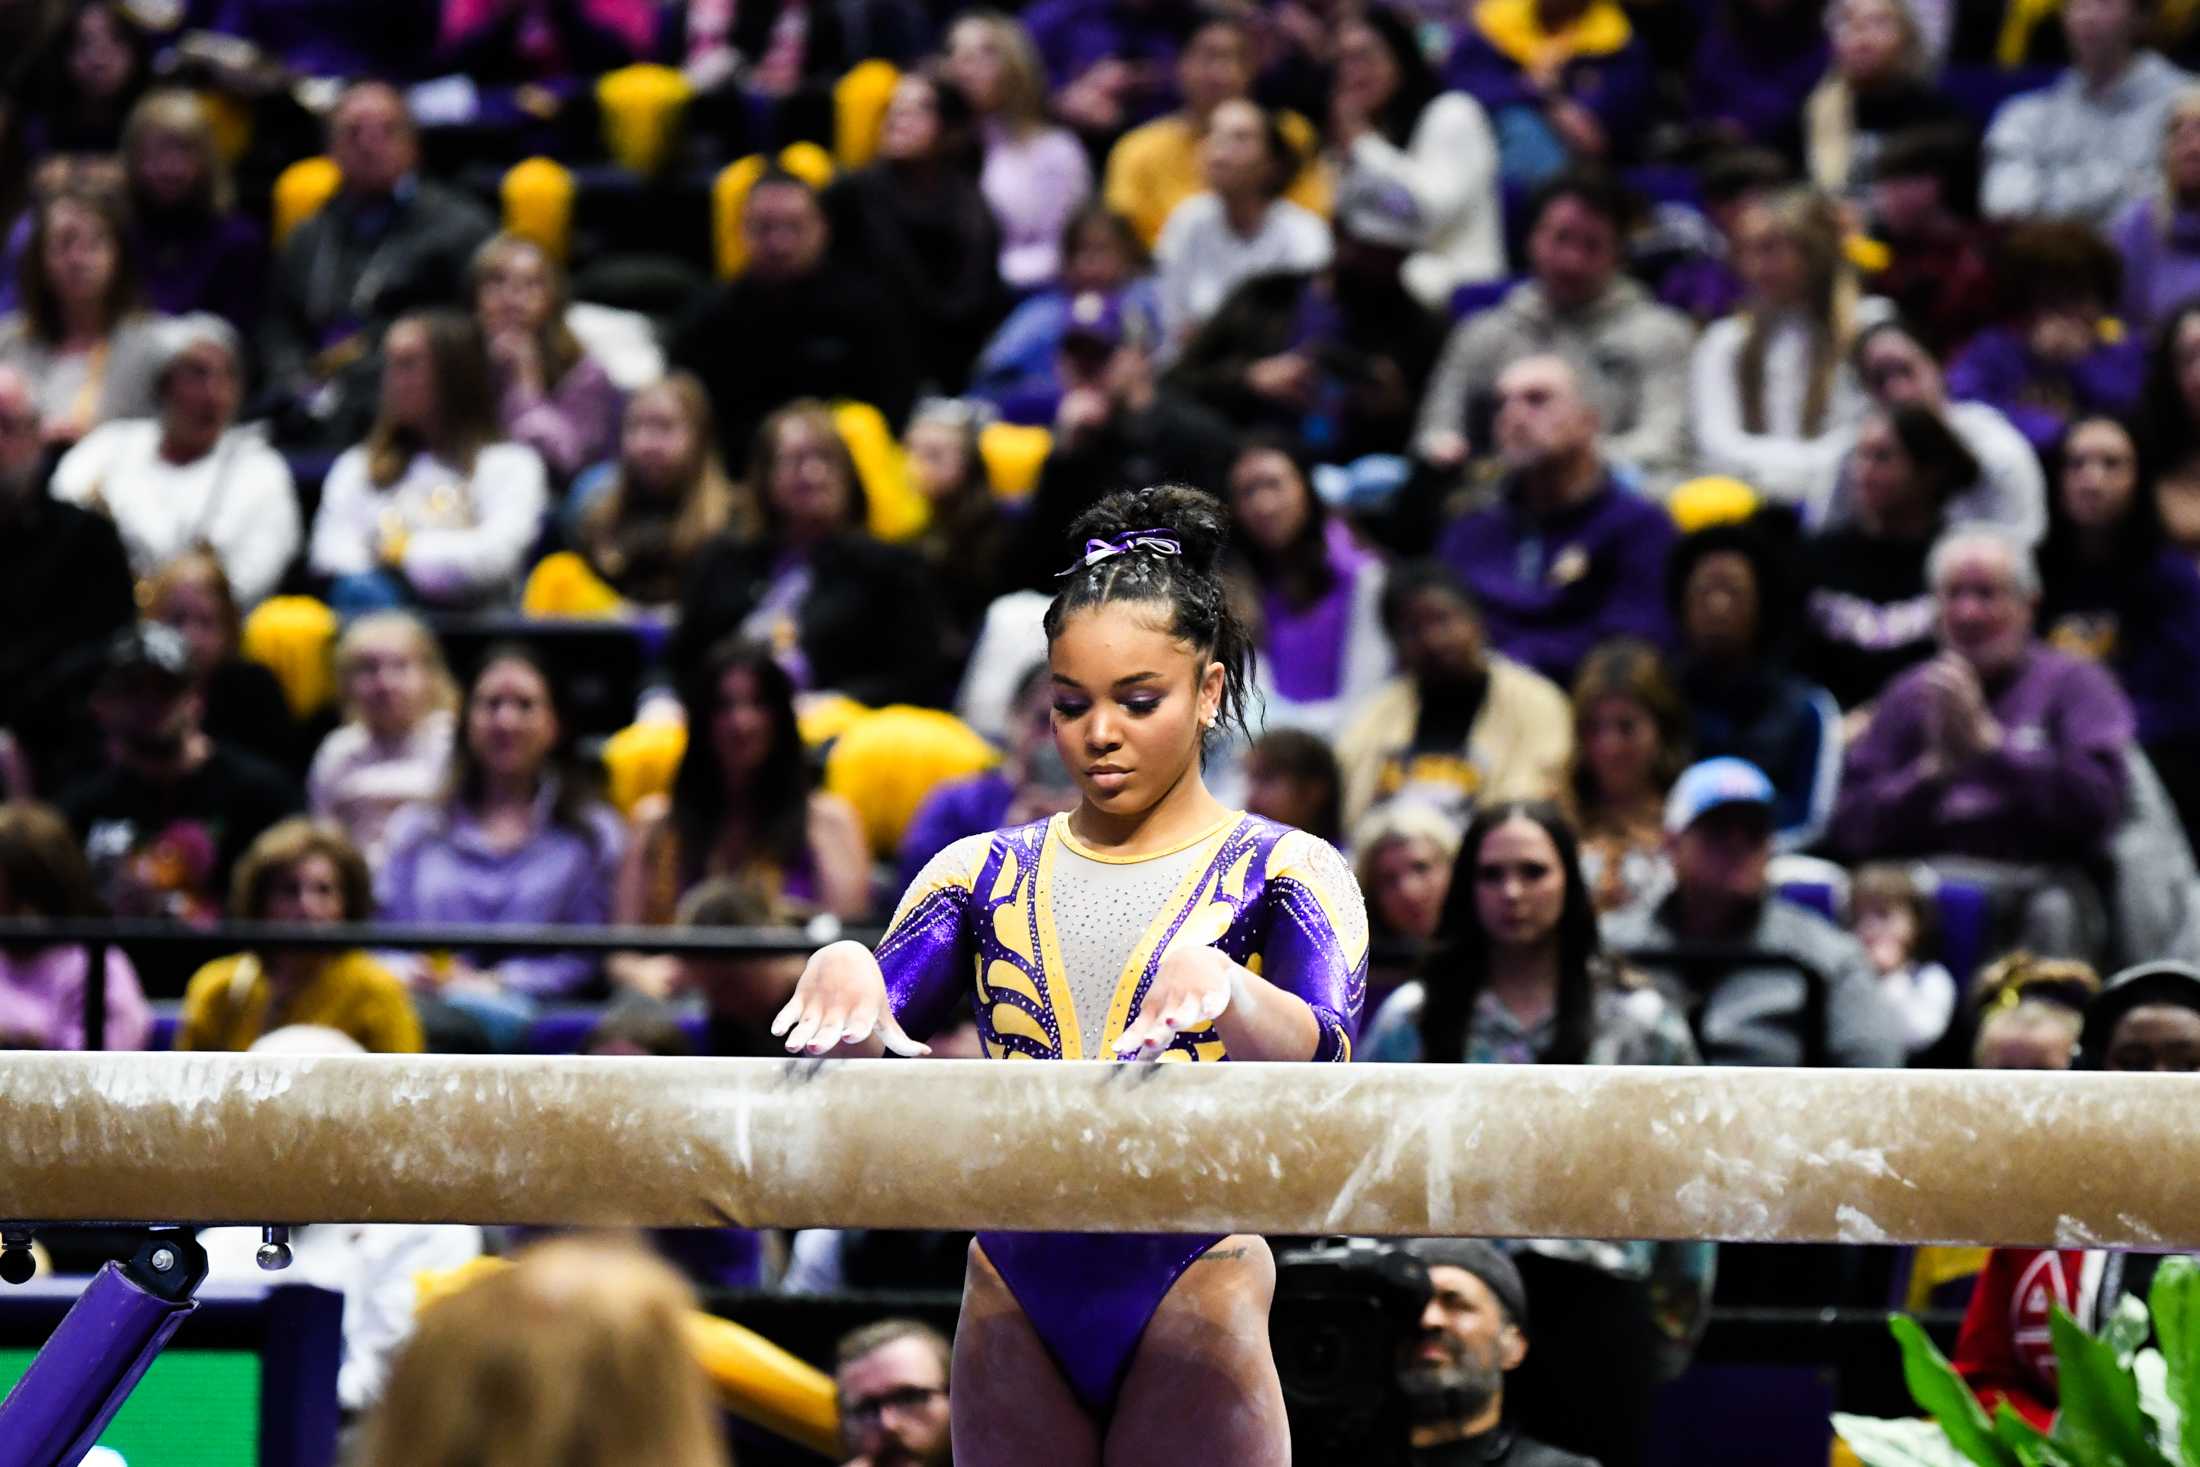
[{"x": 1161, "y": 542}]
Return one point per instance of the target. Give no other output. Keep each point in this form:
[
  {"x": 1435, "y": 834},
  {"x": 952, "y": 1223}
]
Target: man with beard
[
  {"x": 1473, "y": 1332},
  {"x": 891, "y": 1379},
  {"x": 1568, "y": 556}
]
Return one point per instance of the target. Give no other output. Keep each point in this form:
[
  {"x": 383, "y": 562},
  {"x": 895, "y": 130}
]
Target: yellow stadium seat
[
  {"x": 1711, "y": 500},
  {"x": 641, "y": 760},
  {"x": 1014, "y": 453},
  {"x": 294, "y": 637},
  {"x": 898, "y": 511},
  {"x": 562, "y": 585},
  {"x": 538, "y": 204},
  {"x": 823, "y": 717},
  {"x": 301, "y": 190},
  {"x": 859, "y": 106},
  {"x": 885, "y": 765},
  {"x": 642, "y": 108}
]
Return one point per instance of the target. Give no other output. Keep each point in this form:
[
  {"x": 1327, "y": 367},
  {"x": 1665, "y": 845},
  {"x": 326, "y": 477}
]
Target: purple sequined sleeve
[
  {"x": 1316, "y": 946},
  {"x": 927, "y": 953}
]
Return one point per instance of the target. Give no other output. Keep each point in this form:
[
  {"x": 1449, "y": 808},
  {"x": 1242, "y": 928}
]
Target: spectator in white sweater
[
  {"x": 1897, "y": 371},
  {"x": 1241, "y": 227},
  {"x": 1771, "y": 393},
  {"x": 1391, "y": 120},
  {"x": 191, "y": 477},
  {"x": 433, "y": 507}
]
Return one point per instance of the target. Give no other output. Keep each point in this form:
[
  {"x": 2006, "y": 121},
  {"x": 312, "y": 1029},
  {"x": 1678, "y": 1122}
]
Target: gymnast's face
[{"x": 1131, "y": 700}]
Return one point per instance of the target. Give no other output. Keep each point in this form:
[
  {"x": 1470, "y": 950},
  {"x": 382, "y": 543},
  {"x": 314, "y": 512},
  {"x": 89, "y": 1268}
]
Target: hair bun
[{"x": 1194, "y": 516}]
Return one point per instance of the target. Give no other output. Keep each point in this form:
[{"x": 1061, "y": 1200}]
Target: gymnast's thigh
[
  {"x": 1009, "y": 1403},
  {"x": 1203, "y": 1386}
]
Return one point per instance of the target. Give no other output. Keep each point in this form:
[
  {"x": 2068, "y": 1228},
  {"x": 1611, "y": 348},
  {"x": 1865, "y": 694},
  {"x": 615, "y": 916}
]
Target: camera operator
[{"x": 1473, "y": 1331}]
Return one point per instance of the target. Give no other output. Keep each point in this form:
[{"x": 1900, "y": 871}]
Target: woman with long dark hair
[{"x": 1519, "y": 975}]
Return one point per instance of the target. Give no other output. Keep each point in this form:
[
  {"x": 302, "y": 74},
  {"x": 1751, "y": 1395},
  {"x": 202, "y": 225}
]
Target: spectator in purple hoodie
[
  {"x": 2061, "y": 352},
  {"x": 197, "y": 249},
  {"x": 1568, "y": 556}
]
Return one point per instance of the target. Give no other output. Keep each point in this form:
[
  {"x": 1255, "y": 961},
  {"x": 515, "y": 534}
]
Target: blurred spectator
[
  {"x": 1461, "y": 724},
  {"x": 1111, "y": 61},
  {"x": 395, "y": 742},
  {"x": 1624, "y": 347},
  {"x": 1898, "y": 371},
  {"x": 2030, "y": 1012},
  {"x": 843, "y": 612},
  {"x": 390, "y": 242},
  {"x": 1700, "y": 280},
  {"x": 1563, "y": 81},
  {"x": 745, "y": 805},
  {"x": 2158, "y": 232},
  {"x": 1320, "y": 647},
  {"x": 2170, "y": 426},
  {"x": 1156, "y": 166},
  {"x": 1338, "y": 357},
  {"x": 835, "y": 334},
  {"x": 1937, "y": 271},
  {"x": 375, "y": 1266},
  {"x": 309, "y": 874},
  {"x": 1784, "y": 986},
  {"x": 1394, "y": 131},
  {"x": 1569, "y": 555},
  {"x": 2147, "y": 1019},
  {"x": 1101, "y": 254},
  {"x": 1999, "y": 750},
  {"x": 1870, "y": 610},
  {"x": 343, "y": 39},
  {"x": 2112, "y": 590},
  {"x": 1112, "y": 428},
  {"x": 1878, "y": 86},
  {"x": 2062, "y": 350},
  {"x": 1241, "y": 225},
  {"x": 1755, "y": 67},
  {"x": 171, "y": 810},
  {"x": 79, "y": 335},
  {"x": 966, "y": 541},
  {"x": 2091, "y": 141},
  {"x": 514, "y": 41},
  {"x": 1770, "y": 387},
  {"x": 1631, "y": 741},
  {"x": 1732, "y": 594},
  {"x": 915, "y": 223},
  {"x": 1894, "y": 917},
  {"x": 741, "y": 995},
  {"x": 1403, "y": 852},
  {"x": 1030, "y": 783},
  {"x": 643, "y": 521},
  {"x": 198, "y": 250},
  {"x": 1035, "y": 177},
  {"x": 65, "y": 586},
  {"x": 43, "y": 877},
  {"x": 552, "y": 396},
  {"x": 517, "y": 837},
  {"x": 435, "y": 506},
  {"x": 890, "y": 1381},
  {"x": 190, "y": 478},
  {"x": 1473, "y": 1333},
  {"x": 81, "y": 93},
  {"x": 1519, "y": 977},
  {"x": 577, "y": 1354},
  {"x": 1291, "y": 776},
  {"x": 244, "y": 704}
]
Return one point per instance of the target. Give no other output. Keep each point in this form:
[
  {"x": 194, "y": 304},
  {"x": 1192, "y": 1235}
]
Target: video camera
[{"x": 1345, "y": 1310}]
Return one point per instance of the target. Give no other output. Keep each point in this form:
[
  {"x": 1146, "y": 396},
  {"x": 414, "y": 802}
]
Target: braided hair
[{"x": 1118, "y": 565}]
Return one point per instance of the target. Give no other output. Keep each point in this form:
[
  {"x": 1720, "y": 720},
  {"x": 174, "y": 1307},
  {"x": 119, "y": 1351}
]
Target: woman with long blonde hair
[
  {"x": 1036, "y": 175},
  {"x": 1770, "y": 387},
  {"x": 1878, "y": 85},
  {"x": 551, "y": 394},
  {"x": 644, "y": 519},
  {"x": 200, "y": 252}
]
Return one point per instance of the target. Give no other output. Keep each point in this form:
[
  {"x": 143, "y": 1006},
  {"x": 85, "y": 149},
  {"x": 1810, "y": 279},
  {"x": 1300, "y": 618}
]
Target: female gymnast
[{"x": 1150, "y": 923}]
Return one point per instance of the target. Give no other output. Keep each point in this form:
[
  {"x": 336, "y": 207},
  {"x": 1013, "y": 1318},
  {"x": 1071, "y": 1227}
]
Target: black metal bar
[{"x": 95, "y": 996}]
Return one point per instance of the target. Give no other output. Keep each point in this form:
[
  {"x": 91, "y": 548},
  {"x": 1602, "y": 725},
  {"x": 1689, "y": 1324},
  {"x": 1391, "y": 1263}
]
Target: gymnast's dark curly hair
[{"x": 1190, "y": 585}]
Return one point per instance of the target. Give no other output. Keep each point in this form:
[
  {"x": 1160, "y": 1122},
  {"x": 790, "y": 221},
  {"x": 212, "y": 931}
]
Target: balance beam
[{"x": 1544, "y": 1151}]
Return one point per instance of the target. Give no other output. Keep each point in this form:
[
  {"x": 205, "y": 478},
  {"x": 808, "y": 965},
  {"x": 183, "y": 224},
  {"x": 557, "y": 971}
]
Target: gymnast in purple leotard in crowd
[{"x": 1151, "y": 923}]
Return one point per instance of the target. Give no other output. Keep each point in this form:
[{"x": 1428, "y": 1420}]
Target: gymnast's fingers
[
  {"x": 829, "y": 1030},
  {"x": 786, "y": 1016},
  {"x": 800, "y": 1037},
  {"x": 897, "y": 1040},
  {"x": 861, "y": 1021}
]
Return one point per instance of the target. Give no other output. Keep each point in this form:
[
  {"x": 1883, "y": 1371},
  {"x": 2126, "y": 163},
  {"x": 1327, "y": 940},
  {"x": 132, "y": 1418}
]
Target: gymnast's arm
[{"x": 855, "y": 1000}]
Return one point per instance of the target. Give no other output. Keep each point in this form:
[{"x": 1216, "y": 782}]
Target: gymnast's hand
[
  {"x": 841, "y": 1000},
  {"x": 1194, "y": 985}
]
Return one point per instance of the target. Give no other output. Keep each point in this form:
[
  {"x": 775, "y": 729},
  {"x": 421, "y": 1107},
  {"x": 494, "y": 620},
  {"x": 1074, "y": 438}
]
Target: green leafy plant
[{"x": 2122, "y": 1405}]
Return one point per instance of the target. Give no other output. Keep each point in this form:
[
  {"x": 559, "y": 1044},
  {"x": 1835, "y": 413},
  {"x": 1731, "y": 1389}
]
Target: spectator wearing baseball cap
[{"x": 1764, "y": 980}]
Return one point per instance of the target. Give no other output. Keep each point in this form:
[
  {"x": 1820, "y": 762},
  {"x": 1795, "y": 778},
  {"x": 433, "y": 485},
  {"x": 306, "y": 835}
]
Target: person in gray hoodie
[{"x": 1625, "y": 347}]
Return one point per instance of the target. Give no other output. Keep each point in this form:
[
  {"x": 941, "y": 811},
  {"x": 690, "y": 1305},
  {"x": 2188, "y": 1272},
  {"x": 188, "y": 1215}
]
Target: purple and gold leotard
[{"x": 1062, "y": 943}]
